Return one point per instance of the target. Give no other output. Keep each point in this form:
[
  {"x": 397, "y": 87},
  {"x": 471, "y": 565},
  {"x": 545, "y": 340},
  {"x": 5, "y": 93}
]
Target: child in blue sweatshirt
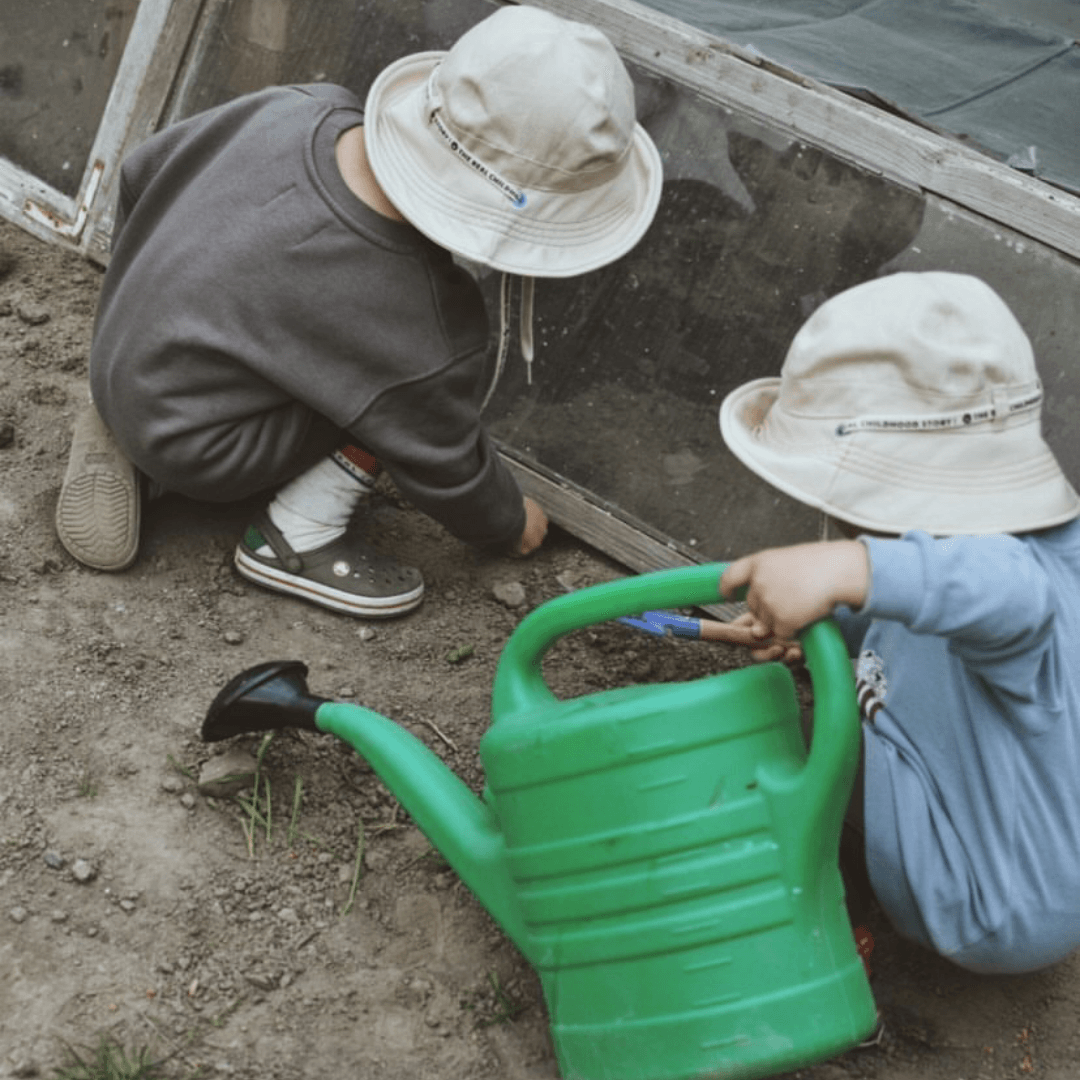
[{"x": 908, "y": 410}]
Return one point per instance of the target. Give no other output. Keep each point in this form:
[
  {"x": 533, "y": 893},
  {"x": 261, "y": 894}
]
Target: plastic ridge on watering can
[{"x": 665, "y": 856}]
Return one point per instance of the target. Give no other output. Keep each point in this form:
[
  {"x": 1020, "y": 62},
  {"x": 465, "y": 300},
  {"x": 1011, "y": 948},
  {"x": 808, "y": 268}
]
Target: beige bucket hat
[
  {"x": 518, "y": 148},
  {"x": 910, "y": 401}
]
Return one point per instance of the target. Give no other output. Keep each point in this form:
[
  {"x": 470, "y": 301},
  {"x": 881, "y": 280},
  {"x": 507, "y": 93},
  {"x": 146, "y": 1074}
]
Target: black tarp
[{"x": 1003, "y": 75}]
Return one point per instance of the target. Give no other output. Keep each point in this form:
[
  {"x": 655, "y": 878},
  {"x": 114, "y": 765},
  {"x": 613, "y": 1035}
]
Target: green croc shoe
[
  {"x": 99, "y": 508},
  {"x": 346, "y": 575}
]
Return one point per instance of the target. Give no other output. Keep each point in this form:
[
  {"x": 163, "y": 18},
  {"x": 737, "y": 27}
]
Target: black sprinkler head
[{"x": 267, "y": 697}]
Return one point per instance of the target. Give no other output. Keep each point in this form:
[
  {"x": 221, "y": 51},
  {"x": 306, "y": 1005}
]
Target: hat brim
[
  {"x": 896, "y": 482},
  {"x": 553, "y": 235}
]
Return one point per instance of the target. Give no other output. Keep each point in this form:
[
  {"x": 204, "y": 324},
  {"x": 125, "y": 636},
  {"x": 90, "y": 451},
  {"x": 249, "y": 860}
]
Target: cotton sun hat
[
  {"x": 519, "y": 147},
  {"x": 908, "y": 402}
]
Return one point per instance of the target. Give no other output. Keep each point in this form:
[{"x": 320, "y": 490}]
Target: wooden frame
[{"x": 139, "y": 91}]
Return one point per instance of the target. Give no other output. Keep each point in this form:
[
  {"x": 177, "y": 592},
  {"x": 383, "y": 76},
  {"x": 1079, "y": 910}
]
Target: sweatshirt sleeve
[
  {"x": 988, "y": 595},
  {"x": 428, "y": 436}
]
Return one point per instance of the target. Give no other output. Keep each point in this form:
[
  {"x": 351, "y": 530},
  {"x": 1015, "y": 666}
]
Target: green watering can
[{"x": 665, "y": 856}]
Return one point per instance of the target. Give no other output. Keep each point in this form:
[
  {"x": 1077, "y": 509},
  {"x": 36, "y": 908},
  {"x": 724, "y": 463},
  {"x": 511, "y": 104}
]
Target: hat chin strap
[{"x": 525, "y": 330}]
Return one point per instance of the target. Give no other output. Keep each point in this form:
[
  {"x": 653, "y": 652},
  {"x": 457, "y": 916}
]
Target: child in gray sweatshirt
[{"x": 282, "y": 309}]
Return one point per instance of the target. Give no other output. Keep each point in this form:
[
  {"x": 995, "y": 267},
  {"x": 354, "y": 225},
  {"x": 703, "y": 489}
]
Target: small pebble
[
  {"x": 510, "y": 593},
  {"x": 569, "y": 579},
  {"x": 23, "y": 1066},
  {"x": 33, "y": 314},
  {"x": 187, "y": 801},
  {"x": 127, "y": 905},
  {"x": 59, "y": 916},
  {"x": 366, "y": 633},
  {"x": 53, "y": 860},
  {"x": 227, "y": 774},
  {"x": 172, "y": 784},
  {"x": 18, "y": 914},
  {"x": 83, "y": 872},
  {"x": 233, "y": 637}
]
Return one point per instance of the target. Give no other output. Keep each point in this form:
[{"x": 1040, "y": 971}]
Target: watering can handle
[{"x": 520, "y": 686}]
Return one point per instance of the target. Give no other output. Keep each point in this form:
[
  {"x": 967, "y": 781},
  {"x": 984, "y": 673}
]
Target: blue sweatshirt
[{"x": 969, "y": 681}]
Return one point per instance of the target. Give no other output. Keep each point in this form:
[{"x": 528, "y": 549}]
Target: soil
[{"x": 136, "y": 906}]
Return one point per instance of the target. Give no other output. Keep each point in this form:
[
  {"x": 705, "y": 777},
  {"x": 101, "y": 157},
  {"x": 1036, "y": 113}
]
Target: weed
[
  {"x": 297, "y": 799},
  {"x": 87, "y": 788},
  {"x": 358, "y": 867},
  {"x": 506, "y": 1008},
  {"x": 109, "y": 1061},
  {"x": 183, "y": 770},
  {"x": 259, "y": 811}
]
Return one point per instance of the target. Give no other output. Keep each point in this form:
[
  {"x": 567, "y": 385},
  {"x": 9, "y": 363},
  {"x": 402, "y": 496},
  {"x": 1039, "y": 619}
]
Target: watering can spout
[{"x": 459, "y": 825}]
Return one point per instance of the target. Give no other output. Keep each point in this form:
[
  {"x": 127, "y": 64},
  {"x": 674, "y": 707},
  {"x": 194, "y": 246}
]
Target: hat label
[
  {"x": 516, "y": 196},
  {"x": 941, "y": 421}
]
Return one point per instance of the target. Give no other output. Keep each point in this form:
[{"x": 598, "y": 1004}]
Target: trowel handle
[{"x": 519, "y": 681}]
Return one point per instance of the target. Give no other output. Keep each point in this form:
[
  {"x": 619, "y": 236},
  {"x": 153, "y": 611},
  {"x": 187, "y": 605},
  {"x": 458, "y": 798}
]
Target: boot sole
[{"x": 98, "y": 512}]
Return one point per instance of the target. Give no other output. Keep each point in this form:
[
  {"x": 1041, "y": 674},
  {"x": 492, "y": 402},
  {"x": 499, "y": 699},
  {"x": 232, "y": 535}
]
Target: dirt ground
[{"x": 135, "y": 905}]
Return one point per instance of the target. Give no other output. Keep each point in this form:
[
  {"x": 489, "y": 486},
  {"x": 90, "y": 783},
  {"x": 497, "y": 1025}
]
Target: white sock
[{"x": 314, "y": 508}]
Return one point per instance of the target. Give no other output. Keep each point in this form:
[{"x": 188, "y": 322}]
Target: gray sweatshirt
[{"x": 255, "y": 314}]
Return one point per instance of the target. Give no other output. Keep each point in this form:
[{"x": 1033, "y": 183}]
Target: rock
[
  {"x": 510, "y": 593},
  {"x": 33, "y": 314},
  {"x": 18, "y": 914},
  {"x": 376, "y": 860},
  {"x": 173, "y": 785},
  {"x": 187, "y": 801},
  {"x": 22, "y": 1065},
  {"x": 54, "y": 860},
  {"x": 366, "y": 633},
  {"x": 261, "y": 981},
  {"x": 228, "y": 774},
  {"x": 233, "y": 637},
  {"x": 569, "y": 579},
  {"x": 127, "y": 905},
  {"x": 83, "y": 871},
  {"x": 59, "y": 916}
]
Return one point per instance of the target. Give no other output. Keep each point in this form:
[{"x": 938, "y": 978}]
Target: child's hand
[
  {"x": 536, "y": 527},
  {"x": 789, "y": 588},
  {"x": 740, "y": 631}
]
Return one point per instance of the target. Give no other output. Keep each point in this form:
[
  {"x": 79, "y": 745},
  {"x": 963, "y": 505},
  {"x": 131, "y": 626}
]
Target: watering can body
[
  {"x": 665, "y": 856},
  {"x": 673, "y": 854}
]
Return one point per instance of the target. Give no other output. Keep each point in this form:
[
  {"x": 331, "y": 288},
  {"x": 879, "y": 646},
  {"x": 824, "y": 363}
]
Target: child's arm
[{"x": 789, "y": 588}]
